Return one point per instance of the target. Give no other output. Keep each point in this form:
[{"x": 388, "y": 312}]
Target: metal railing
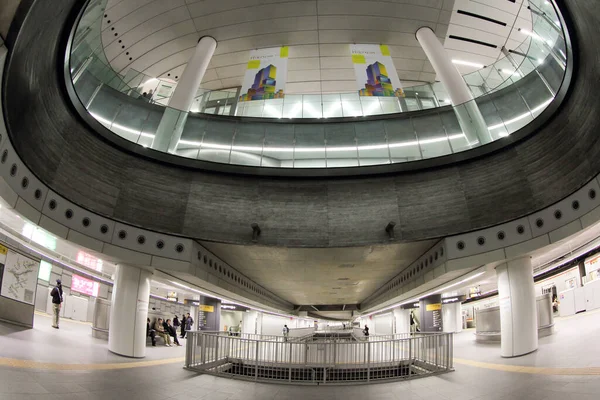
[
  {"x": 510, "y": 94},
  {"x": 321, "y": 361}
]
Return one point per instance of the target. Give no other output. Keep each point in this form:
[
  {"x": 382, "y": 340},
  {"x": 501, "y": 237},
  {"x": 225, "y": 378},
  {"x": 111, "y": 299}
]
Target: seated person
[
  {"x": 160, "y": 331},
  {"x": 172, "y": 331},
  {"x": 151, "y": 333}
]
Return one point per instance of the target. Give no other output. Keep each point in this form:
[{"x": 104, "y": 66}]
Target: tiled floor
[
  {"x": 71, "y": 344},
  {"x": 574, "y": 345}
]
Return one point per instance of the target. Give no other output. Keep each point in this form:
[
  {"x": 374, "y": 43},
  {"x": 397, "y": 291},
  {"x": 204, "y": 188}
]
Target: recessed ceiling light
[{"x": 468, "y": 63}]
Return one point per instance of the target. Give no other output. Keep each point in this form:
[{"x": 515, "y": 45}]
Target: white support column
[
  {"x": 171, "y": 125},
  {"x": 518, "y": 312},
  {"x": 402, "y": 320},
  {"x": 129, "y": 311},
  {"x": 451, "y": 315},
  {"x": 467, "y": 112}
]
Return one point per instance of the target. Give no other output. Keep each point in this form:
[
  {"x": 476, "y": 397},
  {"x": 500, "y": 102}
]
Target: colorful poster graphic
[
  {"x": 375, "y": 71},
  {"x": 266, "y": 75},
  {"x": 19, "y": 278}
]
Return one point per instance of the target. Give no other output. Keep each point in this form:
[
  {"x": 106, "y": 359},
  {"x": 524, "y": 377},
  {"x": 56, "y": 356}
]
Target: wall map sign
[{"x": 19, "y": 278}]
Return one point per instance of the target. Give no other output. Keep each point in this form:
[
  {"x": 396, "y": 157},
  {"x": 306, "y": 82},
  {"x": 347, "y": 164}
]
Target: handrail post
[
  {"x": 368, "y": 361},
  {"x": 256, "y": 361},
  {"x": 290, "y": 377},
  {"x": 203, "y": 348}
]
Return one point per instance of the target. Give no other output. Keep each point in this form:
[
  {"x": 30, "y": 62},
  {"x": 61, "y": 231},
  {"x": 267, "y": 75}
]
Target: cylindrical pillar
[
  {"x": 452, "y": 317},
  {"x": 129, "y": 311},
  {"x": 467, "y": 112},
  {"x": 518, "y": 313},
  {"x": 402, "y": 320},
  {"x": 173, "y": 121}
]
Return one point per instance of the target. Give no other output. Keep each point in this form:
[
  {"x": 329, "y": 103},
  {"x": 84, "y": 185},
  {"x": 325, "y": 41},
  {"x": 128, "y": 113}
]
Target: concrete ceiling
[
  {"x": 158, "y": 37},
  {"x": 321, "y": 276}
]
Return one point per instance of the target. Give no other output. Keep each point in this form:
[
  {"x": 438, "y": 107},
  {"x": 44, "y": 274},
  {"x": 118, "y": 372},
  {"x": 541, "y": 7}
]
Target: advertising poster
[
  {"x": 19, "y": 278},
  {"x": 375, "y": 71},
  {"x": 84, "y": 285},
  {"x": 266, "y": 75}
]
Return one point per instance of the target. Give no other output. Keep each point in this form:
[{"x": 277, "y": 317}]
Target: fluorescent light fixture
[
  {"x": 468, "y": 63},
  {"x": 425, "y": 295}
]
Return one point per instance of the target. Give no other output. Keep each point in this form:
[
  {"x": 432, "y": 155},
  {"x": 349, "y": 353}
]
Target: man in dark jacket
[{"x": 57, "y": 299}]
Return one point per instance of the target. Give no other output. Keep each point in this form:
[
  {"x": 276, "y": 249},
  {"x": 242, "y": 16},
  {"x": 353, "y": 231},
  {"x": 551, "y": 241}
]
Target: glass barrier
[{"x": 507, "y": 96}]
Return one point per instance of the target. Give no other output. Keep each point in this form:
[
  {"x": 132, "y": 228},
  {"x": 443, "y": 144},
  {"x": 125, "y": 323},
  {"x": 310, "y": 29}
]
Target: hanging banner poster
[
  {"x": 375, "y": 71},
  {"x": 19, "y": 278},
  {"x": 266, "y": 75}
]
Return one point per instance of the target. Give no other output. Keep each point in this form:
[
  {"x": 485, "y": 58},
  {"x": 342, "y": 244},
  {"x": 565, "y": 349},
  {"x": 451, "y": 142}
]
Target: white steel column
[
  {"x": 402, "y": 320},
  {"x": 129, "y": 311},
  {"x": 518, "y": 312},
  {"x": 171, "y": 125},
  {"x": 468, "y": 113},
  {"x": 452, "y": 317}
]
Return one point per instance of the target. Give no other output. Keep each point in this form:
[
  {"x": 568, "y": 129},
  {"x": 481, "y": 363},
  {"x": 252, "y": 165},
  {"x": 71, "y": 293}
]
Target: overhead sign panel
[
  {"x": 375, "y": 71},
  {"x": 266, "y": 75}
]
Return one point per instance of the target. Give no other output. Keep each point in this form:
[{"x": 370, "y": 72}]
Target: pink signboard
[{"x": 84, "y": 285}]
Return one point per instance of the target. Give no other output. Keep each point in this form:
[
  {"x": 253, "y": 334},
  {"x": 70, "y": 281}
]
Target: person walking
[
  {"x": 57, "y": 299},
  {"x": 286, "y": 333},
  {"x": 366, "y": 331}
]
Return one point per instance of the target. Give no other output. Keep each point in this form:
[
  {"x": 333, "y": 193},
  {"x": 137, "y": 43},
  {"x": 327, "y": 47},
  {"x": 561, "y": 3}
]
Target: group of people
[{"x": 167, "y": 329}]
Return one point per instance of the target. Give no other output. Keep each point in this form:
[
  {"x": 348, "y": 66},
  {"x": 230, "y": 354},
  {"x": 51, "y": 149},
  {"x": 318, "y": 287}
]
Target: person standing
[
  {"x": 189, "y": 323},
  {"x": 182, "y": 322},
  {"x": 176, "y": 323},
  {"x": 57, "y": 299},
  {"x": 366, "y": 331}
]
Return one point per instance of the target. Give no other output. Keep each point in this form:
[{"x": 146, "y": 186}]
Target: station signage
[{"x": 454, "y": 299}]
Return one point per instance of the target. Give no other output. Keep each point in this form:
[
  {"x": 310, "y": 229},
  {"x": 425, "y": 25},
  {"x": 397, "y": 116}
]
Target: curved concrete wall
[{"x": 68, "y": 156}]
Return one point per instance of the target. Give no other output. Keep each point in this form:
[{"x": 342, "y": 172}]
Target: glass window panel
[
  {"x": 492, "y": 117},
  {"x": 248, "y": 144},
  {"x": 292, "y": 106},
  {"x": 512, "y": 109},
  {"x": 370, "y": 106},
  {"x": 427, "y": 102},
  {"x": 216, "y": 144},
  {"x": 432, "y": 136},
  {"x": 310, "y": 146},
  {"x": 273, "y": 108},
  {"x": 351, "y": 108},
  {"x": 372, "y": 143},
  {"x": 253, "y": 108},
  {"x": 390, "y": 105},
  {"x": 278, "y": 149},
  {"x": 458, "y": 141},
  {"x": 332, "y": 109},
  {"x": 311, "y": 106},
  {"x": 402, "y": 140},
  {"x": 129, "y": 121},
  {"x": 341, "y": 145},
  {"x": 412, "y": 104},
  {"x": 441, "y": 94}
]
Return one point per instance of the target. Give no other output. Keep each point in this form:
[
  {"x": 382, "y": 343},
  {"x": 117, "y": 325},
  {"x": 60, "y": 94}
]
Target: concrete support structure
[
  {"x": 452, "y": 317},
  {"x": 467, "y": 112},
  {"x": 129, "y": 311},
  {"x": 518, "y": 313},
  {"x": 173, "y": 121}
]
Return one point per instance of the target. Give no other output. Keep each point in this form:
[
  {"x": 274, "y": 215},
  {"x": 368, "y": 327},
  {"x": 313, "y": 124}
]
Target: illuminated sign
[
  {"x": 227, "y": 307},
  {"x": 204, "y": 308},
  {"x": 84, "y": 285},
  {"x": 433, "y": 307},
  {"x": 172, "y": 296},
  {"x": 45, "y": 270},
  {"x": 454, "y": 299},
  {"x": 89, "y": 261},
  {"x": 3, "y": 250}
]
